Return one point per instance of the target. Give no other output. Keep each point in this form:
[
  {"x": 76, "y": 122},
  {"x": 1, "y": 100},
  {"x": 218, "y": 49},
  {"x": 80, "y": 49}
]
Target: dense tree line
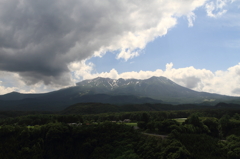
[
  {"x": 106, "y": 140},
  {"x": 204, "y": 134},
  {"x": 203, "y": 137},
  {"x": 97, "y": 108}
]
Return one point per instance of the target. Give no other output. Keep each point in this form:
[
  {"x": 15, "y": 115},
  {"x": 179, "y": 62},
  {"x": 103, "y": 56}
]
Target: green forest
[{"x": 179, "y": 134}]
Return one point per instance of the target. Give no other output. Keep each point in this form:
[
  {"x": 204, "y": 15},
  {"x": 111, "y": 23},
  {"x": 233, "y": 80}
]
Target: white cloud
[
  {"x": 80, "y": 70},
  {"x": 12, "y": 82},
  {"x": 216, "y": 9},
  {"x": 191, "y": 17},
  {"x": 169, "y": 66},
  {"x": 4, "y": 90},
  {"x": 127, "y": 54}
]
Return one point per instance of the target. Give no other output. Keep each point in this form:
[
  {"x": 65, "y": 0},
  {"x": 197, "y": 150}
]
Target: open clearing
[
  {"x": 131, "y": 124},
  {"x": 180, "y": 120}
]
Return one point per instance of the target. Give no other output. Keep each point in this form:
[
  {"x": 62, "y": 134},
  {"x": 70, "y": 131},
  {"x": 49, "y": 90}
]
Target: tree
[
  {"x": 225, "y": 124},
  {"x": 212, "y": 124},
  {"x": 175, "y": 150},
  {"x": 145, "y": 117}
]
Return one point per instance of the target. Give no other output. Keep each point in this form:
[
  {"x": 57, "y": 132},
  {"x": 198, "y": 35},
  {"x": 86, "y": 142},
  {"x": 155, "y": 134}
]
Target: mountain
[
  {"x": 106, "y": 90},
  {"x": 159, "y": 88}
]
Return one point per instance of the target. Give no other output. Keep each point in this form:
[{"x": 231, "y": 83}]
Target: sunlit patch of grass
[
  {"x": 180, "y": 120},
  {"x": 32, "y": 127},
  {"x": 131, "y": 124}
]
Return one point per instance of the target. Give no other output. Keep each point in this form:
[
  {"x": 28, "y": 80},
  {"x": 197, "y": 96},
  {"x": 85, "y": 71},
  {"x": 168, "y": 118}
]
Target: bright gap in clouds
[{"x": 50, "y": 45}]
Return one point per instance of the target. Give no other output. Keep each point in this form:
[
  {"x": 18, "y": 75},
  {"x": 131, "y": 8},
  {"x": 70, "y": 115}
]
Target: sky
[{"x": 47, "y": 45}]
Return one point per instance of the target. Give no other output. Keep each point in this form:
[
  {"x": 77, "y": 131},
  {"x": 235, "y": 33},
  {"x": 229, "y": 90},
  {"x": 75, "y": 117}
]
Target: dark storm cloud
[
  {"x": 36, "y": 37},
  {"x": 40, "y": 38}
]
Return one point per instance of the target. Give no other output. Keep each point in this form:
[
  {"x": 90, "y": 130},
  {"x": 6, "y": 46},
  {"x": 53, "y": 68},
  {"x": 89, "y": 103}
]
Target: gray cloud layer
[
  {"x": 40, "y": 38},
  {"x": 35, "y": 37}
]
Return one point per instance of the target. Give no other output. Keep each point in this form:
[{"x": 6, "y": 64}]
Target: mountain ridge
[
  {"x": 160, "y": 88},
  {"x": 113, "y": 91}
]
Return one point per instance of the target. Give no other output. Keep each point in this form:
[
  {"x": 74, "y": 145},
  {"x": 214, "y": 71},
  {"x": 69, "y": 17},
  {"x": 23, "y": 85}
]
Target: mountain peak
[
  {"x": 158, "y": 78},
  {"x": 13, "y": 93},
  {"x": 122, "y": 79}
]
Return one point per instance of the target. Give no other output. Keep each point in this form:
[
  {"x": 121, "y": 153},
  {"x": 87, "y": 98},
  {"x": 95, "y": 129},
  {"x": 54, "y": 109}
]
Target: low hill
[
  {"x": 96, "y": 108},
  {"x": 45, "y": 103}
]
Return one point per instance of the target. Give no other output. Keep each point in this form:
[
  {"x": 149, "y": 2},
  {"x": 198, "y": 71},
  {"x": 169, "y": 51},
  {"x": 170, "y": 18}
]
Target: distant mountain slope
[
  {"x": 18, "y": 96},
  {"x": 96, "y": 108},
  {"x": 106, "y": 90},
  {"x": 159, "y": 88},
  {"x": 46, "y": 103}
]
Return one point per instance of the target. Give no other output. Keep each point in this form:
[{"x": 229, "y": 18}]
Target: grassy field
[
  {"x": 180, "y": 120},
  {"x": 30, "y": 127},
  {"x": 131, "y": 124}
]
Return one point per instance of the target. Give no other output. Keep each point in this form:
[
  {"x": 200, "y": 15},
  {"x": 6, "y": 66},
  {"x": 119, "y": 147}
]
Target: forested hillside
[{"x": 188, "y": 134}]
